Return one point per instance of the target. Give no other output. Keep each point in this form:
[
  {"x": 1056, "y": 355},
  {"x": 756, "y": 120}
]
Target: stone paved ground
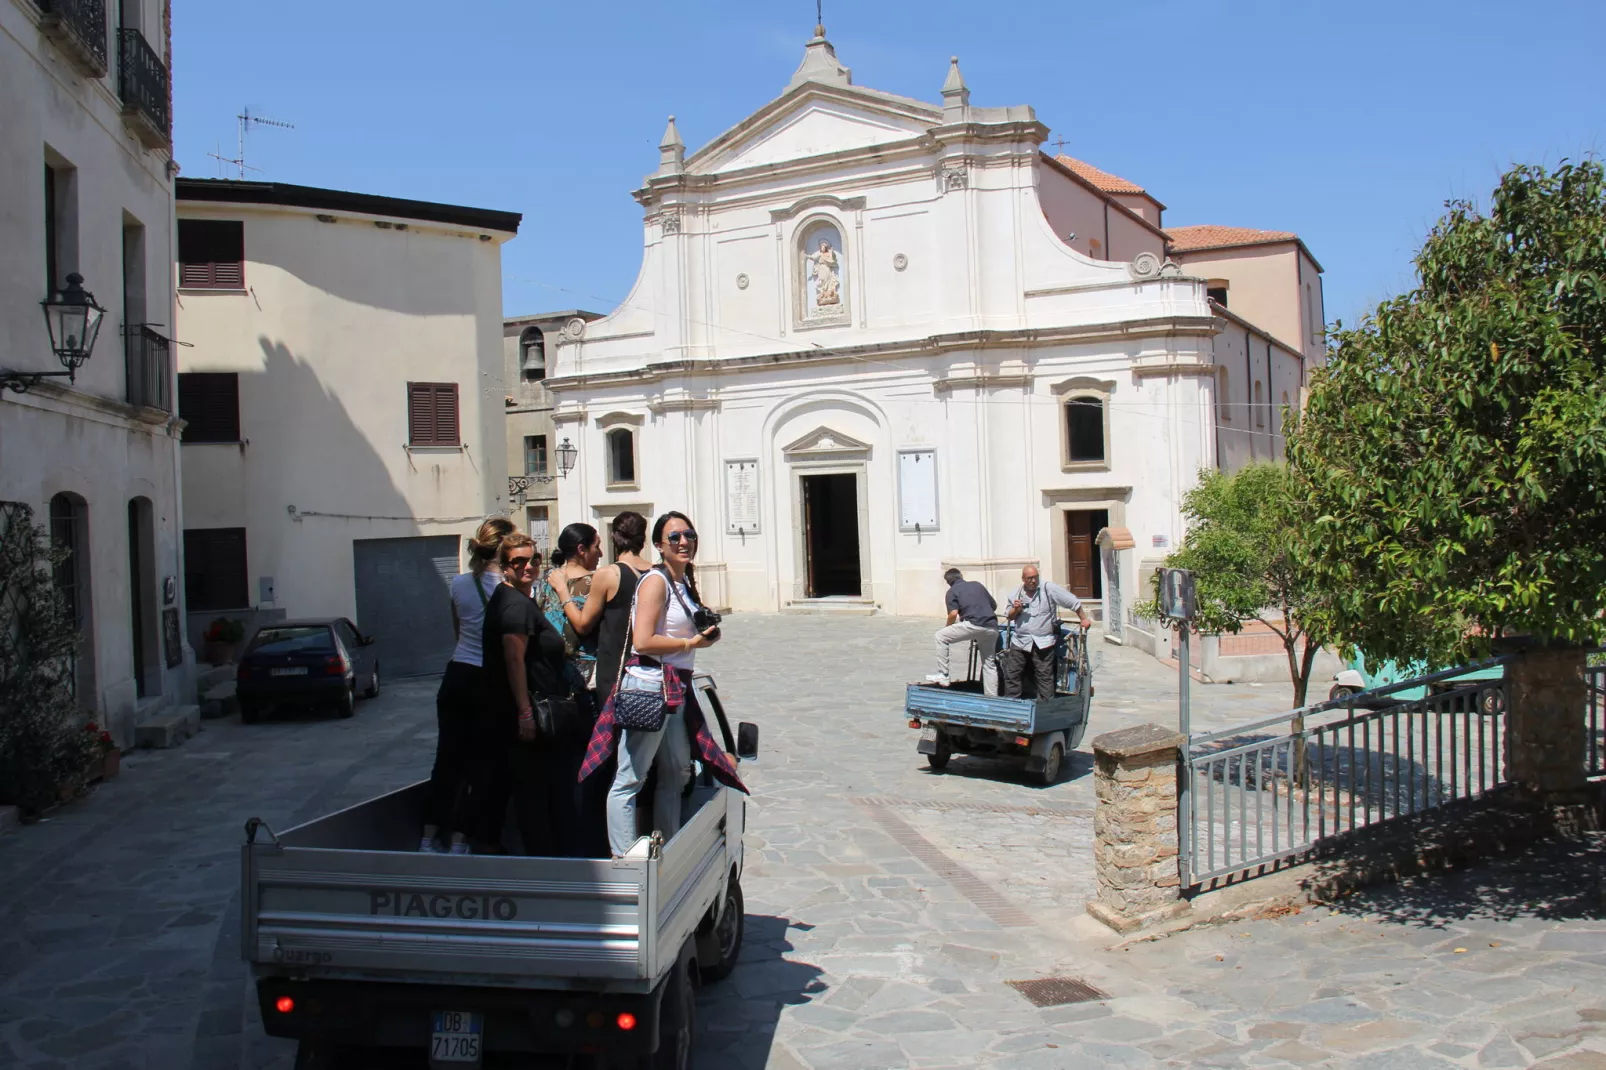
[{"x": 886, "y": 905}]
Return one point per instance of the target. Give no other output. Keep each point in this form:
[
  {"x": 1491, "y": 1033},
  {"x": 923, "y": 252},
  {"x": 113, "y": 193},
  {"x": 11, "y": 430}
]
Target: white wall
[
  {"x": 336, "y": 320},
  {"x": 83, "y": 438}
]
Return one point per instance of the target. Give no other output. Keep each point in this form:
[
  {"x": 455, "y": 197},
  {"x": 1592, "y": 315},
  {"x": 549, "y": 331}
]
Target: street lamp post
[{"x": 73, "y": 318}]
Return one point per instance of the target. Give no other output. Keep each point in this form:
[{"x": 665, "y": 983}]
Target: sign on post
[{"x": 1176, "y": 593}]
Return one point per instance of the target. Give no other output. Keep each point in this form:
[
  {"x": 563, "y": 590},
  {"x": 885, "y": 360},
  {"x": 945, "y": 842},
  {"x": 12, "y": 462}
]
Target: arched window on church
[
  {"x": 1084, "y": 429},
  {"x": 532, "y": 355},
  {"x": 621, "y": 457},
  {"x": 823, "y": 269}
]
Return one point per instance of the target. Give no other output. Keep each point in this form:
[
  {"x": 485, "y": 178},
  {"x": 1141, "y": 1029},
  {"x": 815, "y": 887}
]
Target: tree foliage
[
  {"x": 1243, "y": 549},
  {"x": 42, "y": 743},
  {"x": 1454, "y": 448}
]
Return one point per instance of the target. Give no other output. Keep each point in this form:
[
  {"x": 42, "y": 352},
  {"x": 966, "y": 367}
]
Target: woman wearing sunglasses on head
[
  {"x": 668, "y": 626},
  {"x": 524, "y": 664}
]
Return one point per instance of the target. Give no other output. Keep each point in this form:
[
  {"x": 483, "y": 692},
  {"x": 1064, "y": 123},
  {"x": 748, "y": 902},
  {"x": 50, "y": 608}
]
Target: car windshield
[{"x": 312, "y": 640}]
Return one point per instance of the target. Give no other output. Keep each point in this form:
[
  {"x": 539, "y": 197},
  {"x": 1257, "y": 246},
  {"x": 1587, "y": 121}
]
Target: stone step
[
  {"x": 169, "y": 729},
  {"x": 219, "y": 701},
  {"x": 848, "y": 607}
]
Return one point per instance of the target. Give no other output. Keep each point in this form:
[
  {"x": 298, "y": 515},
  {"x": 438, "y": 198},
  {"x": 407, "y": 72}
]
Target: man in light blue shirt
[{"x": 1033, "y": 612}]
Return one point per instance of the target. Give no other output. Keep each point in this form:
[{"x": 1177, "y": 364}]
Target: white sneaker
[
  {"x": 428, "y": 846},
  {"x": 459, "y": 847},
  {"x": 937, "y": 678}
]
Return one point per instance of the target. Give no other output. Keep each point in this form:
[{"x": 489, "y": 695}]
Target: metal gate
[
  {"x": 1256, "y": 794},
  {"x": 403, "y": 600}
]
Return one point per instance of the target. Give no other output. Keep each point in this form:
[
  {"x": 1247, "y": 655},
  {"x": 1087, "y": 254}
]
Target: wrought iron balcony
[
  {"x": 79, "y": 29},
  {"x": 149, "y": 361},
  {"x": 142, "y": 83}
]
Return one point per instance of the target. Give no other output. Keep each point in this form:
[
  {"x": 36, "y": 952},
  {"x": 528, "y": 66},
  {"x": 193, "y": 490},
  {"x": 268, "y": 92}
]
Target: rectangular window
[
  {"x": 535, "y": 455},
  {"x": 539, "y": 526},
  {"x": 61, "y": 226},
  {"x": 52, "y": 232},
  {"x": 209, "y": 402},
  {"x": 1218, "y": 294},
  {"x": 215, "y": 569},
  {"x": 1084, "y": 419},
  {"x": 211, "y": 254},
  {"x": 432, "y": 414},
  {"x": 621, "y": 456}
]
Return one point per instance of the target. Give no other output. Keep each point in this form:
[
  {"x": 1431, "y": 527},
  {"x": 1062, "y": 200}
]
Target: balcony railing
[
  {"x": 79, "y": 28},
  {"x": 142, "y": 83},
  {"x": 149, "y": 361}
]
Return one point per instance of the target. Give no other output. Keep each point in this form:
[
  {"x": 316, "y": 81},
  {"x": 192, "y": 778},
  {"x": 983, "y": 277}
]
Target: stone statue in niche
[{"x": 823, "y": 268}]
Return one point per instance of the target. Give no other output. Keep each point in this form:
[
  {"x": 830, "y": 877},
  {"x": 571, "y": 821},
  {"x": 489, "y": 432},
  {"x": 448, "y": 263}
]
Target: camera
[{"x": 704, "y": 619}]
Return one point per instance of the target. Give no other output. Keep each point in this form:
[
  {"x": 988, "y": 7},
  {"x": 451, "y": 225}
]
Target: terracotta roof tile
[
  {"x": 1102, "y": 180},
  {"x": 1210, "y": 236}
]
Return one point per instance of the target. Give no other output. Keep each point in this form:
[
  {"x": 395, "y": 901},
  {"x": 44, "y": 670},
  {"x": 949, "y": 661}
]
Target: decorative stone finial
[
  {"x": 820, "y": 64},
  {"x": 955, "y": 94},
  {"x": 671, "y": 150}
]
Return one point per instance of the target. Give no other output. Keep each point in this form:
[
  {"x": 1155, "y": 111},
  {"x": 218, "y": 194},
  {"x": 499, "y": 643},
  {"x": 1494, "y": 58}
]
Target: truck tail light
[
  {"x": 284, "y": 1005},
  {"x": 1023, "y": 741},
  {"x": 626, "y": 1021},
  {"x": 914, "y": 722}
]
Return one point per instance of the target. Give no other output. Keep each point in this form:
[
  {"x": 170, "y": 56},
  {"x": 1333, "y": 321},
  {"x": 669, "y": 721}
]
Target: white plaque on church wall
[
  {"x": 917, "y": 490},
  {"x": 741, "y": 497}
]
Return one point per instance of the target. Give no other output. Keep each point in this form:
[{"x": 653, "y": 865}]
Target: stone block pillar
[
  {"x": 1135, "y": 828},
  {"x": 1546, "y": 730}
]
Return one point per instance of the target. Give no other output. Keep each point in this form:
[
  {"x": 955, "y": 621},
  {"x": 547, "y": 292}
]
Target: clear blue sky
[{"x": 1348, "y": 122}]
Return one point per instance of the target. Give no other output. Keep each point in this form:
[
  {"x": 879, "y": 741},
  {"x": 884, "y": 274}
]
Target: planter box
[{"x": 111, "y": 763}]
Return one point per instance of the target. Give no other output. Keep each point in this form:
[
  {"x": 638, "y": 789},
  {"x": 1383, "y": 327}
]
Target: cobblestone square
[{"x": 887, "y": 905}]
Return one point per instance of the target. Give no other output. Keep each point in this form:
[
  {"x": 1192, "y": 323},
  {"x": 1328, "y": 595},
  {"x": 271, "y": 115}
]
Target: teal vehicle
[{"x": 1358, "y": 677}]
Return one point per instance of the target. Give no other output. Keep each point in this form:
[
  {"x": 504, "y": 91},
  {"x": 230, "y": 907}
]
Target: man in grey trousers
[
  {"x": 972, "y": 618},
  {"x": 1033, "y": 609}
]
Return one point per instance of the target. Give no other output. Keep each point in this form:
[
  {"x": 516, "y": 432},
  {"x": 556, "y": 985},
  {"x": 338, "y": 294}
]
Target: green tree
[
  {"x": 1243, "y": 549},
  {"x": 42, "y": 743},
  {"x": 1454, "y": 448}
]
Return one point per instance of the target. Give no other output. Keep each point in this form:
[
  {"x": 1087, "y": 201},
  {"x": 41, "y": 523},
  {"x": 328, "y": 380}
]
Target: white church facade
[{"x": 873, "y": 338}]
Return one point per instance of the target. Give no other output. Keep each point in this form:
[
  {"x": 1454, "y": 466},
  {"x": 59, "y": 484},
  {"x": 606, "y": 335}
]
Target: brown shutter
[
  {"x": 421, "y": 414},
  {"x": 211, "y": 254},
  {"x": 446, "y": 432},
  {"x": 209, "y": 403}
]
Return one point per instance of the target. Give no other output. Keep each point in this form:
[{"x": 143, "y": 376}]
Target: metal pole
[{"x": 1184, "y": 770}]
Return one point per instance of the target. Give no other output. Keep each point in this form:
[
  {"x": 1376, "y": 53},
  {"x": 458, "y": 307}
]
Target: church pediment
[
  {"x": 814, "y": 120},
  {"x": 825, "y": 442}
]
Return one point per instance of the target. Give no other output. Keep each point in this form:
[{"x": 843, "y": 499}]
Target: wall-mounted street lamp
[
  {"x": 566, "y": 454},
  {"x": 73, "y": 318}
]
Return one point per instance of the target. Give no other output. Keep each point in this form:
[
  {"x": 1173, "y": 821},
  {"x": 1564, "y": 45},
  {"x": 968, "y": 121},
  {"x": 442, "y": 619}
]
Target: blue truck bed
[{"x": 1022, "y": 716}]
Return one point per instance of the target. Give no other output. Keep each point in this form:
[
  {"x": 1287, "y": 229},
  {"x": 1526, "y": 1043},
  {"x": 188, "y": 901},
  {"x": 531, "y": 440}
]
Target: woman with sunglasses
[
  {"x": 665, "y": 639},
  {"x": 523, "y": 661}
]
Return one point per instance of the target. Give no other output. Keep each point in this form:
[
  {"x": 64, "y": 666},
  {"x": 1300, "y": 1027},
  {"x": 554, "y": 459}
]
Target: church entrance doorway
[
  {"x": 1082, "y": 526},
  {"x": 831, "y": 534}
]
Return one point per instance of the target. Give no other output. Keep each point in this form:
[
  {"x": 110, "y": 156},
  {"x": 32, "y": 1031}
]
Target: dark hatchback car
[{"x": 322, "y": 662}]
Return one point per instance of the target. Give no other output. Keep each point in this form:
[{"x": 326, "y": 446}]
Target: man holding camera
[{"x": 1033, "y": 612}]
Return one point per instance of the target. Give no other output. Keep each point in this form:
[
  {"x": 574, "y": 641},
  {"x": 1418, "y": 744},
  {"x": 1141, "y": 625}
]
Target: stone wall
[{"x": 1135, "y": 827}]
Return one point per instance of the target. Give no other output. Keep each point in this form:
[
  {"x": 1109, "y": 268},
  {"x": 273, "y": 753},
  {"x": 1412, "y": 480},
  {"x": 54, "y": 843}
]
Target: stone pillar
[
  {"x": 1545, "y": 728},
  {"x": 1135, "y": 828}
]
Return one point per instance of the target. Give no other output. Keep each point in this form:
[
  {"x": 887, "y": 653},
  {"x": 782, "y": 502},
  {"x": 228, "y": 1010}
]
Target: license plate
[
  {"x": 929, "y": 732},
  {"x": 302, "y": 671},
  {"x": 456, "y": 1040}
]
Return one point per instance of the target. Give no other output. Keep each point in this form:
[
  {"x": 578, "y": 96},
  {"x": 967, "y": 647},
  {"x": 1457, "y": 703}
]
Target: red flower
[
  {"x": 106, "y": 738},
  {"x": 91, "y": 727}
]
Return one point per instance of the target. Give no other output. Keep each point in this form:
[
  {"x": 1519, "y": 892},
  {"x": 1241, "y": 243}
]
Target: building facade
[
  {"x": 342, "y": 388},
  {"x": 86, "y": 169},
  {"x": 874, "y": 337},
  {"x": 531, "y": 445}
]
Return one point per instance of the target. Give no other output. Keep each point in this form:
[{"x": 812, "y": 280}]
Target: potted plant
[
  {"x": 105, "y": 760},
  {"x": 222, "y": 636}
]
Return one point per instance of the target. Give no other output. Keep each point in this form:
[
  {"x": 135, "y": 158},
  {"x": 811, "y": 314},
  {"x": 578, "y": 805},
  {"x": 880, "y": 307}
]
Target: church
[{"x": 873, "y": 338}]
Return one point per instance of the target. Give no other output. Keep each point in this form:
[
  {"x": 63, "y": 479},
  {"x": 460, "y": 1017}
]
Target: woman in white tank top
[{"x": 458, "y": 701}]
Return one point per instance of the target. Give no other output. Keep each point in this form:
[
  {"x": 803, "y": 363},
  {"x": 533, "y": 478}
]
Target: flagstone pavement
[{"x": 887, "y": 905}]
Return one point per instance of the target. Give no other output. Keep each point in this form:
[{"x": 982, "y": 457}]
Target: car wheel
[
  {"x": 346, "y": 704},
  {"x": 1340, "y": 692},
  {"x": 373, "y": 683}
]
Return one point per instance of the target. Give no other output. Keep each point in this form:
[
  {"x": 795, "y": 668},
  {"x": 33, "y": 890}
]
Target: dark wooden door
[
  {"x": 1082, "y": 527},
  {"x": 809, "y": 549}
]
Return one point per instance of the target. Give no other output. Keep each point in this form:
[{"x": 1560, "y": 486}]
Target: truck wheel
[
  {"x": 728, "y": 932},
  {"x": 677, "y": 1023},
  {"x": 1051, "y": 764},
  {"x": 938, "y": 759}
]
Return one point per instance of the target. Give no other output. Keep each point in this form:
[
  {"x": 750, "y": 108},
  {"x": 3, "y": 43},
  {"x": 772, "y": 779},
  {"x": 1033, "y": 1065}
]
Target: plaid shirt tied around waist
[{"x": 605, "y": 736}]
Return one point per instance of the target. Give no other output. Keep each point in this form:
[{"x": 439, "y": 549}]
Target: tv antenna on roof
[{"x": 246, "y": 119}]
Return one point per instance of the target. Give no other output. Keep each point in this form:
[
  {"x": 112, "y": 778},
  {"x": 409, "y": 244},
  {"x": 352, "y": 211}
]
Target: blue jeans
[{"x": 669, "y": 751}]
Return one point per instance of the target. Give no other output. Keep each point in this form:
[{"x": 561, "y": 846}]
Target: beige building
[
  {"x": 86, "y": 175},
  {"x": 343, "y": 390},
  {"x": 532, "y": 448}
]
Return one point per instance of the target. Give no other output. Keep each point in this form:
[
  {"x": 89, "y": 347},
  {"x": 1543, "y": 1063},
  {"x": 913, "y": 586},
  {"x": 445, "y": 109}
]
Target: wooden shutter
[
  {"x": 432, "y": 414},
  {"x": 215, "y": 569},
  {"x": 211, "y": 254},
  {"x": 209, "y": 403}
]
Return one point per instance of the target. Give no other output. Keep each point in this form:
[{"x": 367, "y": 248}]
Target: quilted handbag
[{"x": 641, "y": 709}]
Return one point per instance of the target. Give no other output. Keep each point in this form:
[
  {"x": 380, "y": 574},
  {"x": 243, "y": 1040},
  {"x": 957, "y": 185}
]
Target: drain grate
[{"x": 1057, "y": 991}]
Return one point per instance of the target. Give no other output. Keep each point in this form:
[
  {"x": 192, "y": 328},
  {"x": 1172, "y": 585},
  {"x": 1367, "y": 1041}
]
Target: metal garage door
[{"x": 403, "y": 600}]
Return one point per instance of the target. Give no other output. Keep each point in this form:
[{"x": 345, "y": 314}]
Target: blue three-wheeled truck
[{"x": 1042, "y": 730}]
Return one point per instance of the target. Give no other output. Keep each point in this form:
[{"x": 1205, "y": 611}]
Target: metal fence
[
  {"x": 1594, "y": 746},
  {"x": 1259, "y": 793}
]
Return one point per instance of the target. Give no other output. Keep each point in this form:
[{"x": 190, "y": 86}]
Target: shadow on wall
[{"x": 327, "y": 521}]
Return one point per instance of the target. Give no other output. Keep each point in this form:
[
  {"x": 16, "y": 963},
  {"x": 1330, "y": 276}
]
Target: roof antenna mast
[
  {"x": 819, "y": 19},
  {"x": 246, "y": 119}
]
